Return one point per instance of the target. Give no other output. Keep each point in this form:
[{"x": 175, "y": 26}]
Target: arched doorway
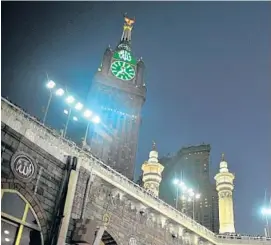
[
  {"x": 107, "y": 239},
  {"x": 19, "y": 223}
]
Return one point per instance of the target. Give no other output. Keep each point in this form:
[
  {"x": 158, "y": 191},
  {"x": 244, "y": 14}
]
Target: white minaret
[
  {"x": 224, "y": 186},
  {"x": 152, "y": 172}
]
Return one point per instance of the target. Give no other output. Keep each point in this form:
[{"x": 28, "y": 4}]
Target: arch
[
  {"x": 26, "y": 194},
  {"x": 21, "y": 222},
  {"x": 107, "y": 239}
]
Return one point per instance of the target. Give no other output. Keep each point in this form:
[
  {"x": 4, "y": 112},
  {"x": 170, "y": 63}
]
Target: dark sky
[{"x": 208, "y": 75}]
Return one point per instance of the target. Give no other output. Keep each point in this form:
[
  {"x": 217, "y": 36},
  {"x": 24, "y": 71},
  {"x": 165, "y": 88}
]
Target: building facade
[
  {"x": 191, "y": 166},
  {"x": 118, "y": 94},
  {"x": 56, "y": 193}
]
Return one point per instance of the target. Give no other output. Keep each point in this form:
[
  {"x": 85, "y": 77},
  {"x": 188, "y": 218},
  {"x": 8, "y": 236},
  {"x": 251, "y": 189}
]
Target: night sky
[{"x": 208, "y": 76}]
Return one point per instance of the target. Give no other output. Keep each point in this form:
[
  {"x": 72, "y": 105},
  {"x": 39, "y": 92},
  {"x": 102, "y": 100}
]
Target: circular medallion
[
  {"x": 106, "y": 218},
  {"x": 23, "y": 166}
]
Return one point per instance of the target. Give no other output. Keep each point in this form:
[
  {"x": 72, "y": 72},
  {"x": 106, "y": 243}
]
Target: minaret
[
  {"x": 152, "y": 172},
  {"x": 224, "y": 186}
]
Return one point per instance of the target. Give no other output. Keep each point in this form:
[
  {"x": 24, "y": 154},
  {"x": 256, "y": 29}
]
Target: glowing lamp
[
  {"x": 51, "y": 84},
  {"x": 70, "y": 99},
  {"x": 96, "y": 119},
  {"x": 87, "y": 113},
  {"x": 60, "y": 92}
]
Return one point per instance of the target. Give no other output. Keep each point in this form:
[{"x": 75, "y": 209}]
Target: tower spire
[
  {"x": 127, "y": 29},
  {"x": 222, "y": 157}
]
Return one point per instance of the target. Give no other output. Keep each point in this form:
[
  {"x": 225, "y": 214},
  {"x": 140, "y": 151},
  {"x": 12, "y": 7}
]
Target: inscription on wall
[{"x": 23, "y": 166}]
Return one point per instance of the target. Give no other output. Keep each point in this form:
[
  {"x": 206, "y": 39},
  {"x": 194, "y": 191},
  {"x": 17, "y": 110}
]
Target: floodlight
[
  {"x": 175, "y": 181},
  {"x": 75, "y": 119},
  {"x": 66, "y": 112},
  {"x": 78, "y": 106},
  {"x": 96, "y": 119},
  {"x": 266, "y": 211},
  {"x": 197, "y": 196},
  {"x": 87, "y": 113},
  {"x": 191, "y": 194},
  {"x": 60, "y": 92},
  {"x": 51, "y": 84},
  {"x": 70, "y": 99}
]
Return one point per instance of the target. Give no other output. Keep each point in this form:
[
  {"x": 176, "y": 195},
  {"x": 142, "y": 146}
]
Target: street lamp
[
  {"x": 187, "y": 194},
  {"x": 50, "y": 85},
  {"x": 59, "y": 92},
  {"x": 95, "y": 119},
  {"x": 266, "y": 212}
]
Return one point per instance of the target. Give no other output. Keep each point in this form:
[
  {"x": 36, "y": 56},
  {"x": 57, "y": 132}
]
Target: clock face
[{"x": 122, "y": 70}]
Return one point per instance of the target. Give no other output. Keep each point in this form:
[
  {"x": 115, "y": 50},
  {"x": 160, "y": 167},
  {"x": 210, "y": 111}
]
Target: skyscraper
[
  {"x": 118, "y": 94},
  {"x": 191, "y": 166}
]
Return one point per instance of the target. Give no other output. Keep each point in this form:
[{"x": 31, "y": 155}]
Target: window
[{"x": 18, "y": 220}]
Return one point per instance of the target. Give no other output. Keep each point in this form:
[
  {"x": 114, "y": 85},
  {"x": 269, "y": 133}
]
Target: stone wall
[{"x": 42, "y": 191}]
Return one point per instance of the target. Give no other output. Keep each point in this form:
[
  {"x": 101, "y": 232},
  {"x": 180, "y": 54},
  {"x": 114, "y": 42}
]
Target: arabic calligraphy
[{"x": 23, "y": 166}]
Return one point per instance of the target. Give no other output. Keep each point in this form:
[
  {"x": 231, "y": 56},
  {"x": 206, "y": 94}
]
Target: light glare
[
  {"x": 78, "y": 106},
  {"x": 60, "y": 92},
  {"x": 197, "y": 196},
  {"x": 66, "y": 112},
  {"x": 175, "y": 181},
  {"x": 191, "y": 194},
  {"x": 51, "y": 84},
  {"x": 266, "y": 211},
  {"x": 87, "y": 113},
  {"x": 70, "y": 99},
  {"x": 75, "y": 119},
  {"x": 96, "y": 119}
]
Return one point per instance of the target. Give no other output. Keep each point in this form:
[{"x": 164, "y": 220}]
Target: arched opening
[
  {"x": 107, "y": 239},
  {"x": 19, "y": 223}
]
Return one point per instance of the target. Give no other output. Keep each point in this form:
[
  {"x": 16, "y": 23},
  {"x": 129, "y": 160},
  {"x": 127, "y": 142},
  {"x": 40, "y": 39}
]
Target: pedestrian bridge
[{"x": 100, "y": 200}]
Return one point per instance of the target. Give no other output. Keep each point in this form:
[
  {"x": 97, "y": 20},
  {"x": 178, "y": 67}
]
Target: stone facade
[
  {"x": 42, "y": 191},
  {"x": 104, "y": 200}
]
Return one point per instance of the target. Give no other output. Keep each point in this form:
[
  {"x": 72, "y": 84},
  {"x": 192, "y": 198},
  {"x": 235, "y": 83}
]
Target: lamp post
[
  {"x": 50, "y": 85},
  {"x": 266, "y": 212},
  {"x": 95, "y": 119},
  {"x": 187, "y": 193},
  {"x": 192, "y": 197},
  {"x": 59, "y": 92}
]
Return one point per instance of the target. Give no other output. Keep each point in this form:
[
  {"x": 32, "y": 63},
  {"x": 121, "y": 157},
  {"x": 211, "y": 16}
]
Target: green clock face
[{"x": 122, "y": 70}]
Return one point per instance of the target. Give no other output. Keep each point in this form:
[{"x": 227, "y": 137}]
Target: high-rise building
[
  {"x": 118, "y": 94},
  {"x": 191, "y": 166}
]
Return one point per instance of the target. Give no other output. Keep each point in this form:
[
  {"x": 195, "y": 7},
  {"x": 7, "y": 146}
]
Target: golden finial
[
  {"x": 223, "y": 157},
  {"x": 153, "y": 146}
]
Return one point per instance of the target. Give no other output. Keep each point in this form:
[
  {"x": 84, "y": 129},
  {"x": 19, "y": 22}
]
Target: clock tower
[{"x": 118, "y": 94}]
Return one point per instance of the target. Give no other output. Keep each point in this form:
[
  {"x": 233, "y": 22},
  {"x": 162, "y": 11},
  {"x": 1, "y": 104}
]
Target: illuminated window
[{"x": 19, "y": 224}]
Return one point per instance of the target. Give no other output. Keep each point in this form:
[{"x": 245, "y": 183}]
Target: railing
[
  {"x": 106, "y": 170},
  {"x": 241, "y": 239}
]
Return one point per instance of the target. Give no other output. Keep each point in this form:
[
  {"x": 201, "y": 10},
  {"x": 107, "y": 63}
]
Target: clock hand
[{"x": 119, "y": 72}]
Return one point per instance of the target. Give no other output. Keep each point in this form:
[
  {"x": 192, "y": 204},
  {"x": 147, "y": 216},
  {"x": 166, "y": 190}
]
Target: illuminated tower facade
[
  {"x": 118, "y": 94},
  {"x": 152, "y": 172},
  {"x": 224, "y": 186}
]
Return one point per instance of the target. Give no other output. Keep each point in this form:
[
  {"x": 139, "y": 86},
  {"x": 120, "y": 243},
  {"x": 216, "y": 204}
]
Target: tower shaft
[
  {"x": 152, "y": 172},
  {"x": 224, "y": 186}
]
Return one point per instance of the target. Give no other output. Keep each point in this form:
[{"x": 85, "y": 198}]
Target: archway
[
  {"x": 107, "y": 239},
  {"x": 19, "y": 222}
]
